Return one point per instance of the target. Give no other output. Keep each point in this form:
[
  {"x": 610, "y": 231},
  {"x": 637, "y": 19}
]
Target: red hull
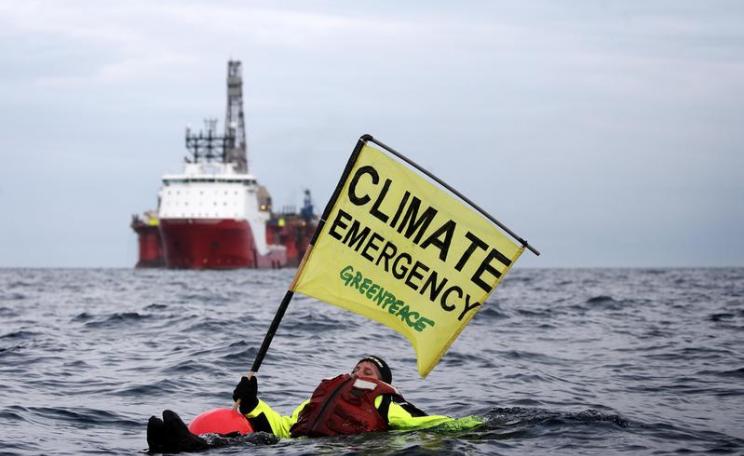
[
  {"x": 214, "y": 244},
  {"x": 292, "y": 231},
  {"x": 148, "y": 240}
]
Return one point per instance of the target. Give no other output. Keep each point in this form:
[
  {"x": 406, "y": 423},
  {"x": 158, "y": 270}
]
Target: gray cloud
[{"x": 608, "y": 134}]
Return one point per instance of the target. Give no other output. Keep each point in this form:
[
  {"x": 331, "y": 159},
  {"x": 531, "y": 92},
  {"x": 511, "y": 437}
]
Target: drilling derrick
[{"x": 234, "y": 121}]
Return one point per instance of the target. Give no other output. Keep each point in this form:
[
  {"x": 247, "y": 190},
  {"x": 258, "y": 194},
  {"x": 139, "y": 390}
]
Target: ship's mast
[{"x": 234, "y": 122}]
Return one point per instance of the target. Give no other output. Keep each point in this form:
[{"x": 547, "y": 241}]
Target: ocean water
[{"x": 560, "y": 361}]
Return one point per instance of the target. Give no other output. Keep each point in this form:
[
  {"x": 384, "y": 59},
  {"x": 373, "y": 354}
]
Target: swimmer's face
[{"x": 367, "y": 369}]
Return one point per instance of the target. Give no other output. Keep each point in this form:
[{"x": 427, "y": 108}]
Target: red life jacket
[{"x": 341, "y": 406}]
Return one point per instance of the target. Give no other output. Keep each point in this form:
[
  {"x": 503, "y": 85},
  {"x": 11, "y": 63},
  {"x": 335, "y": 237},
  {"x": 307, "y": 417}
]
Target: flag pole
[
  {"x": 290, "y": 292},
  {"x": 524, "y": 243}
]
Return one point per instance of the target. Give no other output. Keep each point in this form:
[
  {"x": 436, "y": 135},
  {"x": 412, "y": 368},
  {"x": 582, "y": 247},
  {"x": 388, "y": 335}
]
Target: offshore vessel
[{"x": 214, "y": 214}]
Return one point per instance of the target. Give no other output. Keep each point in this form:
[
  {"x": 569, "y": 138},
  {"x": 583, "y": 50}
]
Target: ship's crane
[{"x": 234, "y": 120}]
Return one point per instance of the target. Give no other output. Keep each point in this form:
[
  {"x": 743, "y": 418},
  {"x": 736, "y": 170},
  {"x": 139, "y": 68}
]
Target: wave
[
  {"x": 112, "y": 321},
  {"x": 20, "y": 335},
  {"x": 515, "y": 416}
]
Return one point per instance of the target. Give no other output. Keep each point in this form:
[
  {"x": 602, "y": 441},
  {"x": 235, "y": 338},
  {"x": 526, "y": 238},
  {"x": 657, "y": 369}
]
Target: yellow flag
[{"x": 401, "y": 250}]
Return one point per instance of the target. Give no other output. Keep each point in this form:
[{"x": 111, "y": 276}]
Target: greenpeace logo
[{"x": 384, "y": 299}]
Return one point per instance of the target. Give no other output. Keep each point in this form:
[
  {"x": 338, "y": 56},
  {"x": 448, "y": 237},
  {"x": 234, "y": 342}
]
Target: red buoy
[{"x": 220, "y": 421}]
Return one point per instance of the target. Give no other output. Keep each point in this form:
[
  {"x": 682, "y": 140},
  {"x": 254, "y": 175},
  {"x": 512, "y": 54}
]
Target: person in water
[
  {"x": 351, "y": 403},
  {"x": 362, "y": 401}
]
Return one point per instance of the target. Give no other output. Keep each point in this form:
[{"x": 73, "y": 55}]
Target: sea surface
[{"x": 560, "y": 361}]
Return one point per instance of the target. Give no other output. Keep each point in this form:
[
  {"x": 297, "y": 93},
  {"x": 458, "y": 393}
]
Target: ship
[{"x": 215, "y": 214}]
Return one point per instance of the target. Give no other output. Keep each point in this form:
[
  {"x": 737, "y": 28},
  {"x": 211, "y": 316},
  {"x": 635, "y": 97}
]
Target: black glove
[{"x": 246, "y": 393}]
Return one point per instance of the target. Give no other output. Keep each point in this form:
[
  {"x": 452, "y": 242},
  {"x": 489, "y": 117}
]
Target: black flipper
[
  {"x": 155, "y": 434},
  {"x": 177, "y": 436},
  {"x": 171, "y": 435}
]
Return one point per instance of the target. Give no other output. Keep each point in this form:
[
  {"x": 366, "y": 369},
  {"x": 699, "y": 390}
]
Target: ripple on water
[
  {"x": 11, "y": 296},
  {"x": 113, "y": 321},
  {"x": 491, "y": 312},
  {"x": 731, "y": 373},
  {"x": 525, "y": 423},
  {"x": 721, "y": 316},
  {"x": 19, "y": 335},
  {"x": 592, "y": 361}
]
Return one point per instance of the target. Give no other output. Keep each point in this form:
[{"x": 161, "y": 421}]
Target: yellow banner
[{"x": 400, "y": 249}]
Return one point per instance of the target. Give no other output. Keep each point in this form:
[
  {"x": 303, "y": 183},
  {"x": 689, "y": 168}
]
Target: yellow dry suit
[{"x": 399, "y": 414}]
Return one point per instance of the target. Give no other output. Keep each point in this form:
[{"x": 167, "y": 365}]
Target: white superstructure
[{"x": 213, "y": 190}]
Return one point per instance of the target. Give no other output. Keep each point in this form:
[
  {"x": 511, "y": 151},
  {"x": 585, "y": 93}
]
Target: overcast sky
[{"x": 605, "y": 133}]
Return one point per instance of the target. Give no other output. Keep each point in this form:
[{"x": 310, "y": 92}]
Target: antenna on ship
[
  {"x": 206, "y": 146},
  {"x": 234, "y": 121}
]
